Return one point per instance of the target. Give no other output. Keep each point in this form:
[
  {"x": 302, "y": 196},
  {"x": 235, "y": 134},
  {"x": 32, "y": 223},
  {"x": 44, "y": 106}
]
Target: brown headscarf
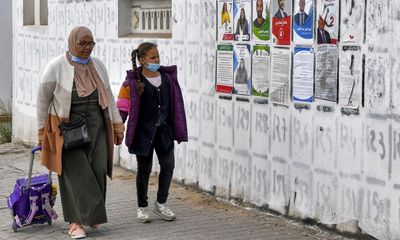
[{"x": 85, "y": 75}]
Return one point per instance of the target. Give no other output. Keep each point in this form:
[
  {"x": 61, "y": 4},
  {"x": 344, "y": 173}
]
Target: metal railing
[{"x": 151, "y": 20}]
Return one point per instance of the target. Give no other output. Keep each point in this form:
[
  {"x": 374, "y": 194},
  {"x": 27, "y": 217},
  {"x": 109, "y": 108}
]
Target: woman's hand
[
  {"x": 119, "y": 129},
  {"x": 118, "y": 137}
]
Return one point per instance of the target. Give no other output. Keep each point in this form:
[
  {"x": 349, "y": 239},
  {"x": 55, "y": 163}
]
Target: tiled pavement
[{"x": 198, "y": 216}]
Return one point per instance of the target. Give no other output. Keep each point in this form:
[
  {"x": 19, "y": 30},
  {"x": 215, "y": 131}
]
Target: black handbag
[{"x": 75, "y": 132}]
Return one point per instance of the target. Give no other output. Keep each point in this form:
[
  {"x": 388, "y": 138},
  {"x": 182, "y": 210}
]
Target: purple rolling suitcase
[{"x": 32, "y": 199}]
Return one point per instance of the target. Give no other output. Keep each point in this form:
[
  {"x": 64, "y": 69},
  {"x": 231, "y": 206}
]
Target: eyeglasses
[{"x": 84, "y": 44}]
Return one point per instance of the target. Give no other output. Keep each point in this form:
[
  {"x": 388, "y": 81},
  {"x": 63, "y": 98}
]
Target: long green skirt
[{"x": 83, "y": 179}]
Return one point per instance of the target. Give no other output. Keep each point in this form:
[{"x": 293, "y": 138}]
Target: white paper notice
[
  {"x": 352, "y": 21},
  {"x": 303, "y": 75},
  {"x": 224, "y": 68},
  {"x": 326, "y": 72},
  {"x": 280, "y": 77},
  {"x": 350, "y": 73}
]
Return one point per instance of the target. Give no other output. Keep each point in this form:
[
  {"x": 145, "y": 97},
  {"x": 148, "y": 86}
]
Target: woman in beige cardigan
[{"x": 74, "y": 84}]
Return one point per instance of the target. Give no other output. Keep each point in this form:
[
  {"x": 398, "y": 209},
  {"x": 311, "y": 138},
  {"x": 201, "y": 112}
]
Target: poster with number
[
  {"x": 303, "y": 22},
  {"x": 281, "y": 21},
  {"x": 261, "y": 21},
  {"x": 327, "y": 28},
  {"x": 242, "y": 20},
  {"x": 225, "y": 20},
  {"x": 261, "y": 65},
  {"x": 224, "y": 68},
  {"x": 242, "y": 69}
]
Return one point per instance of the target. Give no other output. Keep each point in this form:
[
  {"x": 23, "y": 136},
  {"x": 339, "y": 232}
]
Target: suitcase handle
[
  {"x": 37, "y": 148},
  {"x": 33, "y": 150}
]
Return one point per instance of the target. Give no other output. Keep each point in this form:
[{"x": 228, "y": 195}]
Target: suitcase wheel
[
  {"x": 14, "y": 226},
  {"x": 50, "y": 222}
]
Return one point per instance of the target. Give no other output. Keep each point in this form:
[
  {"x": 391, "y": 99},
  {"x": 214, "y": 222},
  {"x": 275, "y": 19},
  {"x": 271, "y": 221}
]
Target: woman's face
[
  {"x": 225, "y": 7},
  {"x": 242, "y": 14},
  {"x": 84, "y": 47},
  {"x": 241, "y": 64},
  {"x": 151, "y": 56}
]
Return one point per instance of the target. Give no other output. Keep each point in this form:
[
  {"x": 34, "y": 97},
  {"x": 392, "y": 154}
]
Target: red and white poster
[
  {"x": 224, "y": 68},
  {"x": 225, "y": 20},
  {"x": 281, "y": 21},
  {"x": 327, "y": 29}
]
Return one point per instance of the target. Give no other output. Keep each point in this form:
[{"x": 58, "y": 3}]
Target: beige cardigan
[{"x": 56, "y": 83}]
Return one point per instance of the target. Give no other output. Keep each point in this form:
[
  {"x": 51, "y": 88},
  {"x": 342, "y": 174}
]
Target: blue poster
[
  {"x": 303, "y": 22},
  {"x": 242, "y": 20},
  {"x": 242, "y": 69},
  {"x": 303, "y": 75}
]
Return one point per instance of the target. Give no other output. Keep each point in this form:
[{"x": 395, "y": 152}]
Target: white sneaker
[
  {"x": 143, "y": 215},
  {"x": 163, "y": 211}
]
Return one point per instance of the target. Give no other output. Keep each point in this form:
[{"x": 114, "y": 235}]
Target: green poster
[
  {"x": 261, "y": 20},
  {"x": 261, "y": 71}
]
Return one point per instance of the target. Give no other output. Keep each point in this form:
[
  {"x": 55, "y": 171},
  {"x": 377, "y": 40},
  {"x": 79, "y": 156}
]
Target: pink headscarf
[{"x": 85, "y": 75}]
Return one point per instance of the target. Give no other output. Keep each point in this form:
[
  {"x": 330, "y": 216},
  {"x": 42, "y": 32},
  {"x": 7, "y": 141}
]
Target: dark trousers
[{"x": 166, "y": 160}]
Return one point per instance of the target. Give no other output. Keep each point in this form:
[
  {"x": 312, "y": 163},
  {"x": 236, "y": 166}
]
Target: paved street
[{"x": 198, "y": 216}]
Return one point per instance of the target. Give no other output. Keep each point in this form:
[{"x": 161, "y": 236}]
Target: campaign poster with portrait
[
  {"x": 303, "y": 74},
  {"x": 242, "y": 20},
  {"x": 327, "y": 29},
  {"x": 242, "y": 69},
  {"x": 261, "y": 21},
  {"x": 224, "y": 68},
  {"x": 303, "y": 22},
  {"x": 260, "y": 75},
  {"x": 225, "y": 20},
  {"x": 352, "y": 21},
  {"x": 281, "y": 21}
]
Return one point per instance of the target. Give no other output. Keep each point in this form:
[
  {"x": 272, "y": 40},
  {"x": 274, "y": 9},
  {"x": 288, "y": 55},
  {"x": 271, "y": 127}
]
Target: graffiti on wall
[{"x": 305, "y": 163}]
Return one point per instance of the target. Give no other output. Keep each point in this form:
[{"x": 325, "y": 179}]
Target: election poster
[
  {"x": 281, "y": 21},
  {"x": 242, "y": 69},
  {"x": 350, "y": 76},
  {"x": 224, "y": 68},
  {"x": 242, "y": 20},
  {"x": 261, "y": 21},
  {"x": 327, "y": 29},
  {"x": 303, "y": 22},
  {"x": 303, "y": 74},
  {"x": 326, "y": 72},
  {"x": 225, "y": 20},
  {"x": 261, "y": 66},
  {"x": 280, "y": 75},
  {"x": 352, "y": 21}
]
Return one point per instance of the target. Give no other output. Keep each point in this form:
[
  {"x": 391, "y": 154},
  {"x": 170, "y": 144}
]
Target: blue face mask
[
  {"x": 152, "y": 67},
  {"x": 80, "y": 60}
]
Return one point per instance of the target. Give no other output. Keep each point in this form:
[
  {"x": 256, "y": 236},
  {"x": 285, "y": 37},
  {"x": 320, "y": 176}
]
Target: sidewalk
[{"x": 198, "y": 216}]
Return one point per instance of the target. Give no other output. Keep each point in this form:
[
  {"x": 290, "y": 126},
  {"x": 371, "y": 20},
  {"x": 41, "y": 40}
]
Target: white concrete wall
[
  {"x": 309, "y": 164},
  {"x": 6, "y": 50}
]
